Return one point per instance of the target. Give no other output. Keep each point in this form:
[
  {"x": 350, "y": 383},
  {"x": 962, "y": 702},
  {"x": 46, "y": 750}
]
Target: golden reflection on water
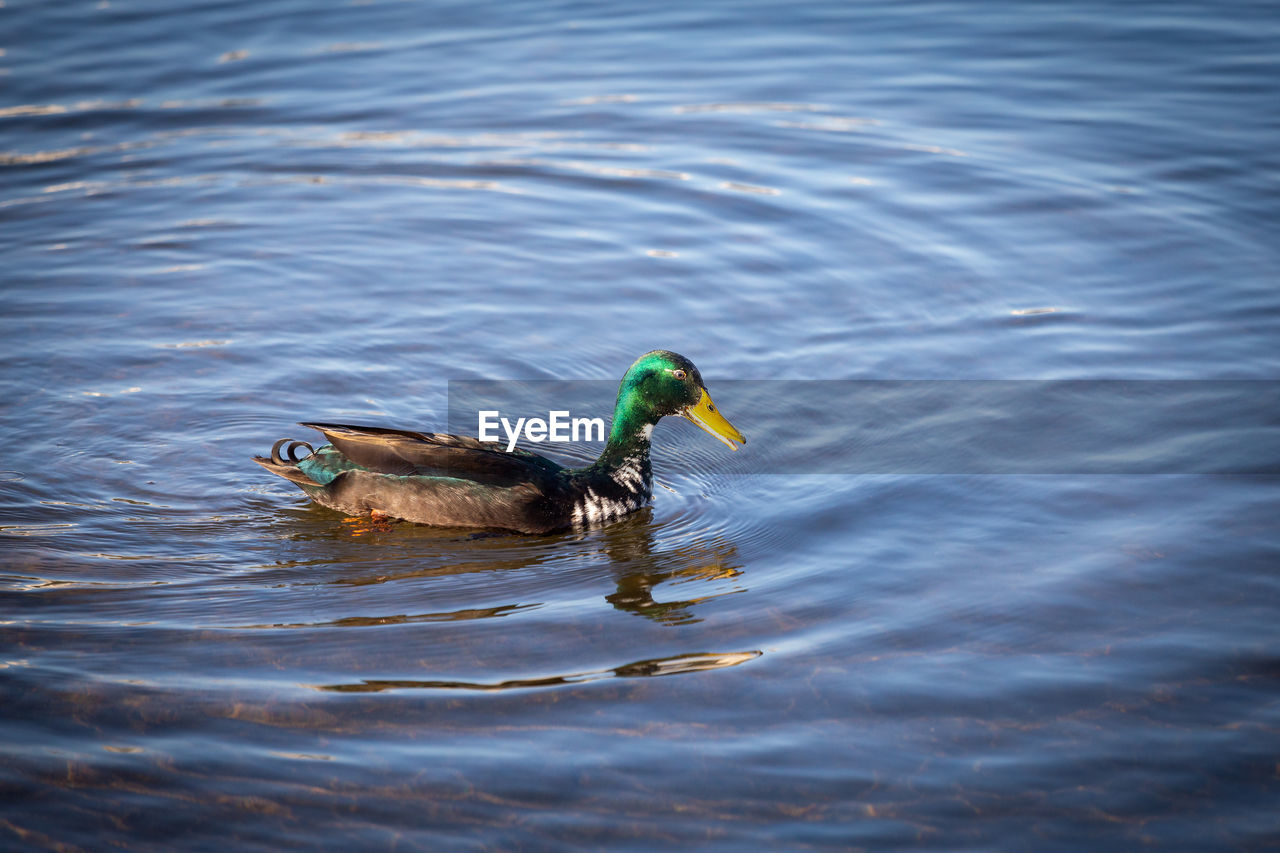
[
  {"x": 673, "y": 665},
  {"x": 378, "y": 621}
]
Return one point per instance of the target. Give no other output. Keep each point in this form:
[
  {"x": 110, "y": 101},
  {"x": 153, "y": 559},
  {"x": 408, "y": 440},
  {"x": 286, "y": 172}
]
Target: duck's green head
[{"x": 662, "y": 383}]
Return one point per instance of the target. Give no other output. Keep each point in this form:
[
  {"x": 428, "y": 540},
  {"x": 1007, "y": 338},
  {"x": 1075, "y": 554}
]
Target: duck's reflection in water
[{"x": 641, "y": 567}]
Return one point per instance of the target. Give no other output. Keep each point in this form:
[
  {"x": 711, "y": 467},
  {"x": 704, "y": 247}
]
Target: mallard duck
[{"x": 456, "y": 481}]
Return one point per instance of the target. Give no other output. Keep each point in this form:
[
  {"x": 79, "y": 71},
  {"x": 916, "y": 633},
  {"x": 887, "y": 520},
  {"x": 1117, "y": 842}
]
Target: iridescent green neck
[
  {"x": 644, "y": 394},
  {"x": 632, "y": 425}
]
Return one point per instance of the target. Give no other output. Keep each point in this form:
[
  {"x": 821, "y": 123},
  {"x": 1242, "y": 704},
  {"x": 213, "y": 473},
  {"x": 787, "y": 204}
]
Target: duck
[{"x": 458, "y": 481}]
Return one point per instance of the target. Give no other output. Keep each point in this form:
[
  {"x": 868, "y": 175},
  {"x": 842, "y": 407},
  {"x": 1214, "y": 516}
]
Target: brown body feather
[{"x": 454, "y": 481}]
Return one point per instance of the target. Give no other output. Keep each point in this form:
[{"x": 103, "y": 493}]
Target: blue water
[{"x": 218, "y": 219}]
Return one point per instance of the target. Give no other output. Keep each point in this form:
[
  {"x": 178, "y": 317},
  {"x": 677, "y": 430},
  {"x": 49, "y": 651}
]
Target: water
[{"x": 222, "y": 218}]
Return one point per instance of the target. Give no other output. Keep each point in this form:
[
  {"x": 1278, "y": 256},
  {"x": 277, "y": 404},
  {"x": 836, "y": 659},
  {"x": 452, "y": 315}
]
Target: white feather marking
[
  {"x": 592, "y": 505},
  {"x": 593, "y": 508}
]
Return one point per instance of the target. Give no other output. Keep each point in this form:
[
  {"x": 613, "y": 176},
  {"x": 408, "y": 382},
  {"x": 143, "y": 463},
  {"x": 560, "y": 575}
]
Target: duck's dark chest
[{"x": 599, "y": 496}]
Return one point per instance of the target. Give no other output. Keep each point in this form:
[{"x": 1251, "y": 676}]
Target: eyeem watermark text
[
  {"x": 557, "y": 427},
  {"x": 928, "y": 426}
]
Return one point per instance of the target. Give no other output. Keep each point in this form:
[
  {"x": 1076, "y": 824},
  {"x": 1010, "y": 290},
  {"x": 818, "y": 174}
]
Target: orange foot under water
[{"x": 375, "y": 522}]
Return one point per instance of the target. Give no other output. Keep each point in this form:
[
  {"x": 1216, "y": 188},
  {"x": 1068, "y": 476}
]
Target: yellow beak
[{"x": 705, "y": 414}]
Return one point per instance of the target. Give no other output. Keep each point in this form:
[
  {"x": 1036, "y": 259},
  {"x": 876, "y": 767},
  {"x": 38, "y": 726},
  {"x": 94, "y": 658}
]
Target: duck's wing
[{"x": 402, "y": 452}]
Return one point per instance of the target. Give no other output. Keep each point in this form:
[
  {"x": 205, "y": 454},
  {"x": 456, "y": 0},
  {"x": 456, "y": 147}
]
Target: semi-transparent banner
[{"x": 910, "y": 426}]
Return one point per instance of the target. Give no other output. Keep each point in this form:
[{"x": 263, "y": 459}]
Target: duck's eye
[{"x": 678, "y": 374}]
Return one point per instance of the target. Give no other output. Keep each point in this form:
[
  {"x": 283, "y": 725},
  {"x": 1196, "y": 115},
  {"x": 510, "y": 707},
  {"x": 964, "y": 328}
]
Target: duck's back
[{"x": 432, "y": 478}]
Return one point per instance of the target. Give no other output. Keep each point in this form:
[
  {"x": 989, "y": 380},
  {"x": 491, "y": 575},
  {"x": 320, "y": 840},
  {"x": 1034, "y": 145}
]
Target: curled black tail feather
[{"x": 289, "y": 458}]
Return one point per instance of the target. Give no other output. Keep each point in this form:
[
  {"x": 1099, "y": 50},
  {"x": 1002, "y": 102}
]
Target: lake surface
[{"x": 220, "y": 218}]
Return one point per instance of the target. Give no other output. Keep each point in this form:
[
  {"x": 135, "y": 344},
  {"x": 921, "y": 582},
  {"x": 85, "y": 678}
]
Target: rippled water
[{"x": 222, "y": 218}]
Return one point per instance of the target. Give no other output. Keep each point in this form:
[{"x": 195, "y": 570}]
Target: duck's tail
[{"x": 287, "y": 465}]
